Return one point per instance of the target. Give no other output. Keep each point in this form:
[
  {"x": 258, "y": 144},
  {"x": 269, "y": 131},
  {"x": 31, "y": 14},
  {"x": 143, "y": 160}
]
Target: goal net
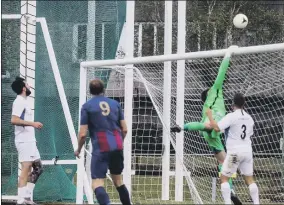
[{"x": 257, "y": 72}]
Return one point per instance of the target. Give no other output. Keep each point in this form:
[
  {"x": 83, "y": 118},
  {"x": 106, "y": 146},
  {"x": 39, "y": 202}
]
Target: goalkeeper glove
[{"x": 176, "y": 129}]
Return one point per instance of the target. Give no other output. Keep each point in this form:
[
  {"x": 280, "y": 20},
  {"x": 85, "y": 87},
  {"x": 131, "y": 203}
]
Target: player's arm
[
  {"x": 17, "y": 111},
  {"x": 123, "y": 128},
  {"x": 83, "y": 129},
  {"x": 16, "y": 120},
  {"x": 218, "y": 83},
  {"x": 82, "y": 136},
  {"x": 223, "y": 124},
  {"x": 223, "y": 69},
  {"x": 122, "y": 122}
]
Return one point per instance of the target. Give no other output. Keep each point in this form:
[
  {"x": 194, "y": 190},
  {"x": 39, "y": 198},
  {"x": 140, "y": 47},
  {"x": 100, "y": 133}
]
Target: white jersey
[
  {"x": 22, "y": 110},
  {"x": 238, "y": 129}
]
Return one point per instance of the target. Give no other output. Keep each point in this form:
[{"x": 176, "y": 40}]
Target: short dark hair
[
  {"x": 239, "y": 100},
  {"x": 96, "y": 87},
  {"x": 204, "y": 95},
  {"x": 18, "y": 85}
]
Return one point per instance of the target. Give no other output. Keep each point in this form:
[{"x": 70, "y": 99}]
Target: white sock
[
  {"x": 22, "y": 194},
  {"x": 226, "y": 192},
  {"x": 30, "y": 188},
  {"x": 253, "y": 189}
]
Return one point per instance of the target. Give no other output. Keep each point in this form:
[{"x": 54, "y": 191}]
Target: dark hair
[
  {"x": 18, "y": 85},
  {"x": 204, "y": 95},
  {"x": 239, "y": 100},
  {"x": 96, "y": 87}
]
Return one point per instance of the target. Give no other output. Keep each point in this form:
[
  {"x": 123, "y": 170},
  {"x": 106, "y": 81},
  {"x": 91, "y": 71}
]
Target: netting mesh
[
  {"x": 11, "y": 7},
  {"x": 10, "y": 60},
  {"x": 259, "y": 76}
]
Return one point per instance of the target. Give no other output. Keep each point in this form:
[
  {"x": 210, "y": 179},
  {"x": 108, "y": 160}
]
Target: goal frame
[{"x": 128, "y": 97}]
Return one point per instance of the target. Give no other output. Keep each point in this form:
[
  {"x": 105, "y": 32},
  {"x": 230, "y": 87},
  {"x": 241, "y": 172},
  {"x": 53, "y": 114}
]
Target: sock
[
  {"x": 194, "y": 126},
  {"x": 30, "y": 188},
  {"x": 22, "y": 194},
  {"x": 123, "y": 195},
  {"x": 226, "y": 192},
  {"x": 253, "y": 189},
  {"x": 102, "y": 196}
]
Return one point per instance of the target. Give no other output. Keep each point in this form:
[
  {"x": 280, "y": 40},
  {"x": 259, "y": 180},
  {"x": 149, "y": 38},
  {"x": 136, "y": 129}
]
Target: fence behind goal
[
  {"x": 67, "y": 25},
  {"x": 258, "y": 74}
]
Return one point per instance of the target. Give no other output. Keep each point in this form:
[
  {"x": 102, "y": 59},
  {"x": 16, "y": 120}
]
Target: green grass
[{"x": 147, "y": 189}]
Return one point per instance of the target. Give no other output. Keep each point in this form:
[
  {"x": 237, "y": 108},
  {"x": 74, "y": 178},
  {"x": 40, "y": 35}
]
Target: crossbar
[{"x": 185, "y": 56}]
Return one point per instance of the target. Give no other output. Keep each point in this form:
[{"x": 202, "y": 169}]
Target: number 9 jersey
[
  {"x": 103, "y": 116},
  {"x": 238, "y": 129}
]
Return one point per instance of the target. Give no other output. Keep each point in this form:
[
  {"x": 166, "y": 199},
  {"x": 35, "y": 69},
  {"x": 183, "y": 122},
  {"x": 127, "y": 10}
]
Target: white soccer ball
[{"x": 240, "y": 21}]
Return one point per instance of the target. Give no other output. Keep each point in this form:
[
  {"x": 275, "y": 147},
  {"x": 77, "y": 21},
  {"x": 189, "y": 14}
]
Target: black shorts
[{"x": 103, "y": 161}]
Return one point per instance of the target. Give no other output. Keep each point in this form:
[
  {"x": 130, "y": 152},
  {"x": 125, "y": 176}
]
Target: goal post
[
  {"x": 81, "y": 173},
  {"x": 180, "y": 100},
  {"x": 167, "y": 100},
  {"x": 252, "y": 69}
]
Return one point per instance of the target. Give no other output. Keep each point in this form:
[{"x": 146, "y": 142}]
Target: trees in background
[{"x": 209, "y": 24}]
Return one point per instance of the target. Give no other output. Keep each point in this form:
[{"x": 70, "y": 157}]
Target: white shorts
[
  {"x": 27, "y": 151},
  {"x": 242, "y": 161}
]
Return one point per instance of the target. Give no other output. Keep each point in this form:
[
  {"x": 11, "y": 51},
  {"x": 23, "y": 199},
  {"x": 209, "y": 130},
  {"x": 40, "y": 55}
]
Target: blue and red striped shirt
[{"x": 103, "y": 116}]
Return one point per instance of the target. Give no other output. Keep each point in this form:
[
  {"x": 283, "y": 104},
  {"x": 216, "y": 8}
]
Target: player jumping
[
  {"x": 104, "y": 119},
  {"x": 238, "y": 127},
  {"x": 25, "y": 142},
  {"x": 213, "y": 99}
]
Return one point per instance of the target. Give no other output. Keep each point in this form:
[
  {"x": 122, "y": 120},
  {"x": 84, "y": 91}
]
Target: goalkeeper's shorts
[{"x": 213, "y": 138}]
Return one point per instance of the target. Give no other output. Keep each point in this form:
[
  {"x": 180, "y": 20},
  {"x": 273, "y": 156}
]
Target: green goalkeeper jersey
[
  {"x": 215, "y": 101},
  {"x": 215, "y": 98}
]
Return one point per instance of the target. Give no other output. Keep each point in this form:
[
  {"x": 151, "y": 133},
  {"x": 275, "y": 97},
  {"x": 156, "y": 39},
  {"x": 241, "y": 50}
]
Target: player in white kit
[
  {"x": 31, "y": 166},
  {"x": 238, "y": 129}
]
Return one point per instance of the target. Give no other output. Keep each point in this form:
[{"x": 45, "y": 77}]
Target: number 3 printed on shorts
[
  {"x": 243, "y": 135},
  {"x": 105, "y": 108}
]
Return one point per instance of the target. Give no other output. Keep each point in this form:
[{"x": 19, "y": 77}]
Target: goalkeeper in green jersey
[{"x": 213, "y": 99}]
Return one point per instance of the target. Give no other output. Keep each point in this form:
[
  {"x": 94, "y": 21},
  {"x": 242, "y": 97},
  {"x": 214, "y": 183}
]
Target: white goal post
[{"x": 135, "y": 65}]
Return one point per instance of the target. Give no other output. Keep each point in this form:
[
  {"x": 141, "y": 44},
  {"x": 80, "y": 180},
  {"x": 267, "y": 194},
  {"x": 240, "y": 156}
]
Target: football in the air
[{"x": 240, "y": 21}]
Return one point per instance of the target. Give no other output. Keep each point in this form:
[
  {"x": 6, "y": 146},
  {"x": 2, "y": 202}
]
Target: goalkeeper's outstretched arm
[
  {"x": 223, "y": 68},
  {"x": 222, "y": 72}
]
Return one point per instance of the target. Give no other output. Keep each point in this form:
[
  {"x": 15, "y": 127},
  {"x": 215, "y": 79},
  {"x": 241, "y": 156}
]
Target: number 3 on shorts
[{"x": 105, "y": 108}]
